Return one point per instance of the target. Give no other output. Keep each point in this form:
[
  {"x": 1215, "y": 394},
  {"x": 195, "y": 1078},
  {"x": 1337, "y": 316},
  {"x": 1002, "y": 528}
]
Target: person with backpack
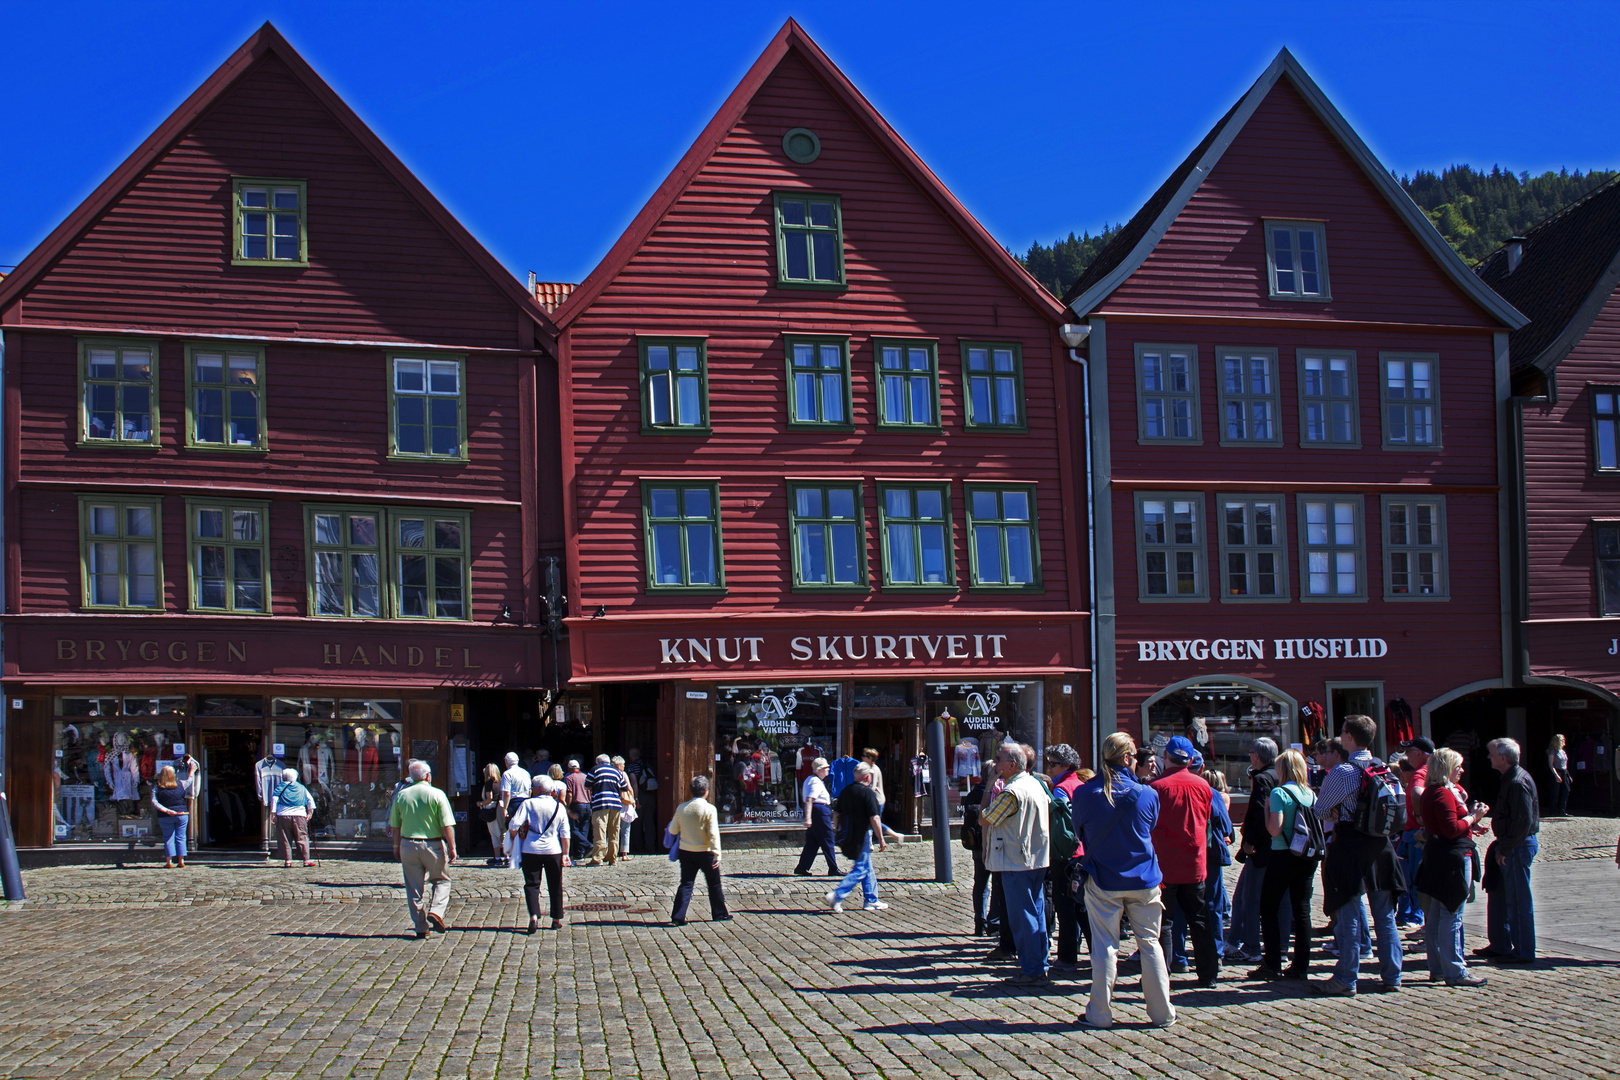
[
  {"x": 1243, "y": 936},
  {"x": 1297, "y": 842},
  {"x": 1063, "y": 765},
  {"x": 1368, "y": 806},
  {"x": 290, "y": 805}
]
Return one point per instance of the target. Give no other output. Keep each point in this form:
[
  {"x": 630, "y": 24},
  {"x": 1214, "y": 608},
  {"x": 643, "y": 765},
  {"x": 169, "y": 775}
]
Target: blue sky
[{"x": 545, "y": 126}]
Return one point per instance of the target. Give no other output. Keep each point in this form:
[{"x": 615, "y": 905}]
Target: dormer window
[
  {"x": 269, "y": 222},
  {"x": 1296, "y": 257}
]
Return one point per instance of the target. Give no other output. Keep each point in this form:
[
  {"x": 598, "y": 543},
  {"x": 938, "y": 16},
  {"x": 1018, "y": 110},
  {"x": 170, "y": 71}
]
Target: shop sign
[
  {"x": 835, "y": 647},
  {"x": 1255, "y": 649}
]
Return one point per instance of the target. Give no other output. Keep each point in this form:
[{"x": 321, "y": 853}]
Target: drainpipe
[{"x": 1074, "y": 335}]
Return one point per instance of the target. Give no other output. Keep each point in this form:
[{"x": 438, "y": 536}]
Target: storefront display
[
  {"x": 765, "y": 740},
  {"x": 349, "y": 754},
  {"x": 1222, "y": 719},
  {"x": 978, "y": 717},
  {"x": 109, "y": 752}
]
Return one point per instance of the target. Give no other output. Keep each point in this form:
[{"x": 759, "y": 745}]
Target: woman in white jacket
[{"x": 539, "y": 830}]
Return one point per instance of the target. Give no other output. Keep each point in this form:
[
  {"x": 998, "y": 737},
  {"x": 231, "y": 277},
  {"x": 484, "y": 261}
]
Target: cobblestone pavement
[{"x": 237, "y": 972}]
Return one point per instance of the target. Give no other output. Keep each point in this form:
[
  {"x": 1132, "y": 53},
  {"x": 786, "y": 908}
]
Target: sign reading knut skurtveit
[{"x": 1256, "y": 649}]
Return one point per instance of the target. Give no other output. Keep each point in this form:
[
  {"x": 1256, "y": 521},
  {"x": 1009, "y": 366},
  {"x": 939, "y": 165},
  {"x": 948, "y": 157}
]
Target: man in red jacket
[{"x": 1180, "y": 840}]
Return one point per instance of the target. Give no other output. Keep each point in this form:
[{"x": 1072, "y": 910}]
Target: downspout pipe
[{"x": 1074, "y": 335}]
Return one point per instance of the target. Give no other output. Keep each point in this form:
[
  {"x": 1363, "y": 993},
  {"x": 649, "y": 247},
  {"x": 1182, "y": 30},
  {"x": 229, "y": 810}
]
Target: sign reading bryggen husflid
[{"x": 831, "y": 467}]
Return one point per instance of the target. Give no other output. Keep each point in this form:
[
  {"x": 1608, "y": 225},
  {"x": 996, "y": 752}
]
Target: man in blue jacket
[{"x": 1114, "y": 815}]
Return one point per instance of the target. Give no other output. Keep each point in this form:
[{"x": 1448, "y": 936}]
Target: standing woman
[
  {"x": 1287, "y": 874},
  {"x": 1443, "y": 877},
  {"x": 629, "y": 812},
  {"x": 290, "y": 804},
  {"x": 539, "y": 830},
  {"x": 169, "y": 800},
  {"x": 1558, "y": 762},
  {"x": 489, "y": 811},
  {"x": 818, "y": 830},
  {"x": 870, "y": 756}
]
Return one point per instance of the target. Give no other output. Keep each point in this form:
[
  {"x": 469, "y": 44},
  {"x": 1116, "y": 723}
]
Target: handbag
[
  {"x": 628, "y": 815},
  {"x": 488, "y": 813}
]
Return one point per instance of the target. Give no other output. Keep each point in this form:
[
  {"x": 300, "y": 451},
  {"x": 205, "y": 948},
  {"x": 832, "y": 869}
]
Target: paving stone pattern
[{"x": 235, "y": 972}]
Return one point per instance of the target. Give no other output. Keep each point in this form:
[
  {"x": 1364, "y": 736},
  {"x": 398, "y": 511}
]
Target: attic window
[
  {"x": 1296, "y": 260},
  {"x": 268, "y": 222},
  {"x": 801, "y": 145}
]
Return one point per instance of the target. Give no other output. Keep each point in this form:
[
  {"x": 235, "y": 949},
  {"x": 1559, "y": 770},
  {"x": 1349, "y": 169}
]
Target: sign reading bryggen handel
[{"x": 1255, "y": 649}]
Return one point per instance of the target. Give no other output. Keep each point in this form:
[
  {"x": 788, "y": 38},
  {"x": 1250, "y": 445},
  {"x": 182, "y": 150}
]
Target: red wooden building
[
  {"x": 272, "y": 425},
  {"x": 1297, "y": 389},
  {"x": 817, "y": 461},
  {"x": 1566, "y": 384}
]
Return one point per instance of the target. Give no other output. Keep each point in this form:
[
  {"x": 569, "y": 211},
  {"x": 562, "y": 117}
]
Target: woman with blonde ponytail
[{"x": 1114, "y": 815}]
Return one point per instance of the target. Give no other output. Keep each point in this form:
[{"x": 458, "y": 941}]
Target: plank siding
[
  {"x": 708, "y": 269},
  {"x": 1285, "y": 164},
  {"x": 380, "y": 268}
]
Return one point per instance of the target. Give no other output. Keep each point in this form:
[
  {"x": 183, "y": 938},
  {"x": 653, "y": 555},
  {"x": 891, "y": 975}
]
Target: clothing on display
[
  {"x": 1398, "y": 729},
  {"x": 920, "y": 777},
  {"x": 267, "y": 777},
  {"x": 122, "y": 770},
  {"x": 840, "y": 774},
  {"x": 967, "y": 759},
  {"x": 1312, "y": 723}
]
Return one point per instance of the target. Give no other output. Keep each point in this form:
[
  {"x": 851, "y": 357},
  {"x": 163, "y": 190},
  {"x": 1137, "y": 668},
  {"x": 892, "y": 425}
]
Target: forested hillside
[{"x": 1476, "y": 211}]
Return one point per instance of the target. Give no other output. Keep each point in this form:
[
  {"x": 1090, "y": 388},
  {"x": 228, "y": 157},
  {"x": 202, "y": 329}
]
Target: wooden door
[{"x": 29, "y": 795}]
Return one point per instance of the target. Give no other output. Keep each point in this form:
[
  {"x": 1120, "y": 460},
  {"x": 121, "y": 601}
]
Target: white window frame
[{"x": 1332, "y": 547}]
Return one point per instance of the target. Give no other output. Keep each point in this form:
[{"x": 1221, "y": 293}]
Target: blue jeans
[
  {"x": 174, "y": 834},
  {"x": 1025, "y": 891},
  {"x": 861, "y": 874},
  {"x": 1411, "y": 855},
  {"x": 1348, "y": 926},
  {"x": 1510, "y": 911},
  {"x": 1443, "y": 933},
  {"x": 1244, "y": 933}
]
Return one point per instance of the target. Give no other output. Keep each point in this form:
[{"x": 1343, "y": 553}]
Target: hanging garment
[
  {"x": 1312, "y": 723},
  {"x": 123, "y": 775},
  {"x": 306, "y": 763},
  {"x": 967, "y": 759},
  {"x": 840, "y": 774},
  {"x": 807, "y": 757},
  {"x": 360, "y": 764},
  {"x": 919, "y": 775},
  {"x": 267, "y": 777},
  {"x": 1398, "y": 729},
  {"x": 776, "y": 768}
]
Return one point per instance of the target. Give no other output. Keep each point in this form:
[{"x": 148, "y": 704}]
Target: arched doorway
[{"x": 1223, "y": 715}]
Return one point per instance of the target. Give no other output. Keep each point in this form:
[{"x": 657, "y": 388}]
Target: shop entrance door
[
  {"x": 229, "y": 804},
  {"x": 893, "y": 734},
  {"x": 1365, "y": 699}
]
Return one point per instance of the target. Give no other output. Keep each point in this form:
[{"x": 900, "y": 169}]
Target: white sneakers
[
  {"x": 832, "y": 902},
  {"x": 876, "y": 905}
]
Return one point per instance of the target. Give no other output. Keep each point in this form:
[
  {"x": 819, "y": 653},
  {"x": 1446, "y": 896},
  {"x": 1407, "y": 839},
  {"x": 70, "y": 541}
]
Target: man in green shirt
[{"x": 424, "y": 829}]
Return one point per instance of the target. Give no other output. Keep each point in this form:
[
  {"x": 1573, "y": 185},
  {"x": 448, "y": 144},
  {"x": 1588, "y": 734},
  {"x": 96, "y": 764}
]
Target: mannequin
[
  {"x": 361, "y": 766},
  {"x": 967, "y": 758},
  {"x": 122, "y": 770},
  {"x": 306, "y": 757}
]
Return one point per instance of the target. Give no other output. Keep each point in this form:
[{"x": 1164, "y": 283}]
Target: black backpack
[{"x": 1380, "y": 802}]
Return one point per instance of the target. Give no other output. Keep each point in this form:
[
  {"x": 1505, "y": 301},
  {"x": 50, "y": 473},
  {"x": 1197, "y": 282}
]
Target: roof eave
[{"x": 1549, "y": 358}]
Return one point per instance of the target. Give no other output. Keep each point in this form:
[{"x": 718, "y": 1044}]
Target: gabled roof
[
  {"x": 1127, "y": 251},
  {"x": 1570, "y": 266},
  {"x": 266, "y": 40},
  {"x": 792, "y": 39}
]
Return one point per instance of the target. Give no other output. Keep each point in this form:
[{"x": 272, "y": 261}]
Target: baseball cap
[
  {"x": 1179, "y": 748},
  {"x": 1197, "y": 761},
  {"x": 1422, "y": 743}
]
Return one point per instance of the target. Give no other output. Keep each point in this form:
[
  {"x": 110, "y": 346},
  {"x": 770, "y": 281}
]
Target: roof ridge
[{"x": 1555, "y": 216}]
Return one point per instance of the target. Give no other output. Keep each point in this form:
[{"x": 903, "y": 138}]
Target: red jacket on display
[{"x": 1181, "y": 836}]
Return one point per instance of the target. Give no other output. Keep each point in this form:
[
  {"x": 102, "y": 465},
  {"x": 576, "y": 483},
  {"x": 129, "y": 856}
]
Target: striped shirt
[
  {"x": 606, "y": 783},
  {"x": 1342, "y": 786}
]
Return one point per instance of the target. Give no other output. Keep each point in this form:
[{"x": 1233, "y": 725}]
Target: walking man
[
  {"x": 1019, "y": 838},
  {"x": 697, "y": 825},
  {"x": 608, "y": 787},
  {"x": 424, "y": 829},
  {"x": 516, "y": 785},
  {"x": 859, "y": 817},
  {"x": 1510, "y": 913},
  {"x": 1181, "y": 842},
  {"x": 579, "y": 808},
  {"x": 818, "y": 829}
]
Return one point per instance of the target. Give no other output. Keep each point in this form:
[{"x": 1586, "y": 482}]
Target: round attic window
[{"x": 802, "y": 145}]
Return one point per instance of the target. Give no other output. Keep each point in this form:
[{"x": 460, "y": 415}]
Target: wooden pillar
[{"x": 32, "y": 737}]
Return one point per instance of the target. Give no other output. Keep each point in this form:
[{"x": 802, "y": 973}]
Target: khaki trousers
[
  {"x": 605, "y": 835},
  {"x": 1144, "y": 910},
  {"x": 424, "y": 863}
]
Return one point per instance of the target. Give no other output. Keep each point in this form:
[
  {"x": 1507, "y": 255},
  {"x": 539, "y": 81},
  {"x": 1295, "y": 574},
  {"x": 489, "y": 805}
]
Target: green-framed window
[
  {"x": 427, "y": 408},
  {"x": 345, "y": 561},
  {"x": 1004, "y": 550},
  {"x": 225, "y": 398},
  {"x": 269, "y": 222},
  {"x": 908, "y": 384},
  {"x": 684, "y": 548},
  {"x": 118, "y": 393},
  {"x": 918, "y": 548},
  {"x": 121, "y": 552},
  {"x": 230, "y": 556},
  {"x": 818, "y": 382},
  {"x": 674, "y": 386},
  {"x": 809, "y": 240},
  {"x": 828, "y": 526},
  {"x": 430, "y": 564},
  {"x": 993, "y": 381}
]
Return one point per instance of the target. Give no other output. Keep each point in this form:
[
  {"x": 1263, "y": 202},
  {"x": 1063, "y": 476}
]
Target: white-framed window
[
  {"x": 1332, "y": 548},
  {"x": 1328, "y": 410},
  {"x": 1415, "y": 548},
  {"x": 1254, "y": 548},
  {"x": 1167, "y": 394},
  {"x": 1296, "y": 260},
  {"x": 1409, "y": 385},
  {"x": 1248, "y": 391},
  {"x": 1170, "y": 546}
]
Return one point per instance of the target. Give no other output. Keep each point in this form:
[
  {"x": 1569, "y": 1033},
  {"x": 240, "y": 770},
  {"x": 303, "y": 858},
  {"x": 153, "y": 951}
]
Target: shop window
[
  {"x": 105, "y": 766},
  {"x": 766, "y": 738},
  {"x": 230, "y": 565},
  {"x": 1328, "y": 410},
  {"x": 225, "y": 398},
  {"x": 229, "y": 706},
  {"x": 1415, "y": 548},
  {"x": 993, "y": 377},
  {"x": 682, "y": 523},
  {"x": 818, "y": 383},
  {"x": 1254, "y": 549},
  {"x": 122, "y": 553},
  {"x": 269, "y": 222},
  {"x": 1606, "y": 428},
  {"x": 1167, "y": 394},
  {"x": 1170, "y": 546},
  {"x": 918, "y": 551},
  {"x": 1332, "y": 549},
  {"x": 1222, "y": 719},
  {"x": 828, "y": 526},
  {"x": 908, "y": 384},
  {"x": 809, "y": 240},
  {"x": 118, "y": 393},
  {"x": 1411, "y": 393},
  {"x": 674, "y": 386},
  {"x": 978, "y": 717},
  {"x": 349, "y": 753},
  {"x": 427, "y": 409},
  {"x": 1005, "y": 548},
  {"x": 1606, "y": 538},
  {"x": 1249, "y": 397}
]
